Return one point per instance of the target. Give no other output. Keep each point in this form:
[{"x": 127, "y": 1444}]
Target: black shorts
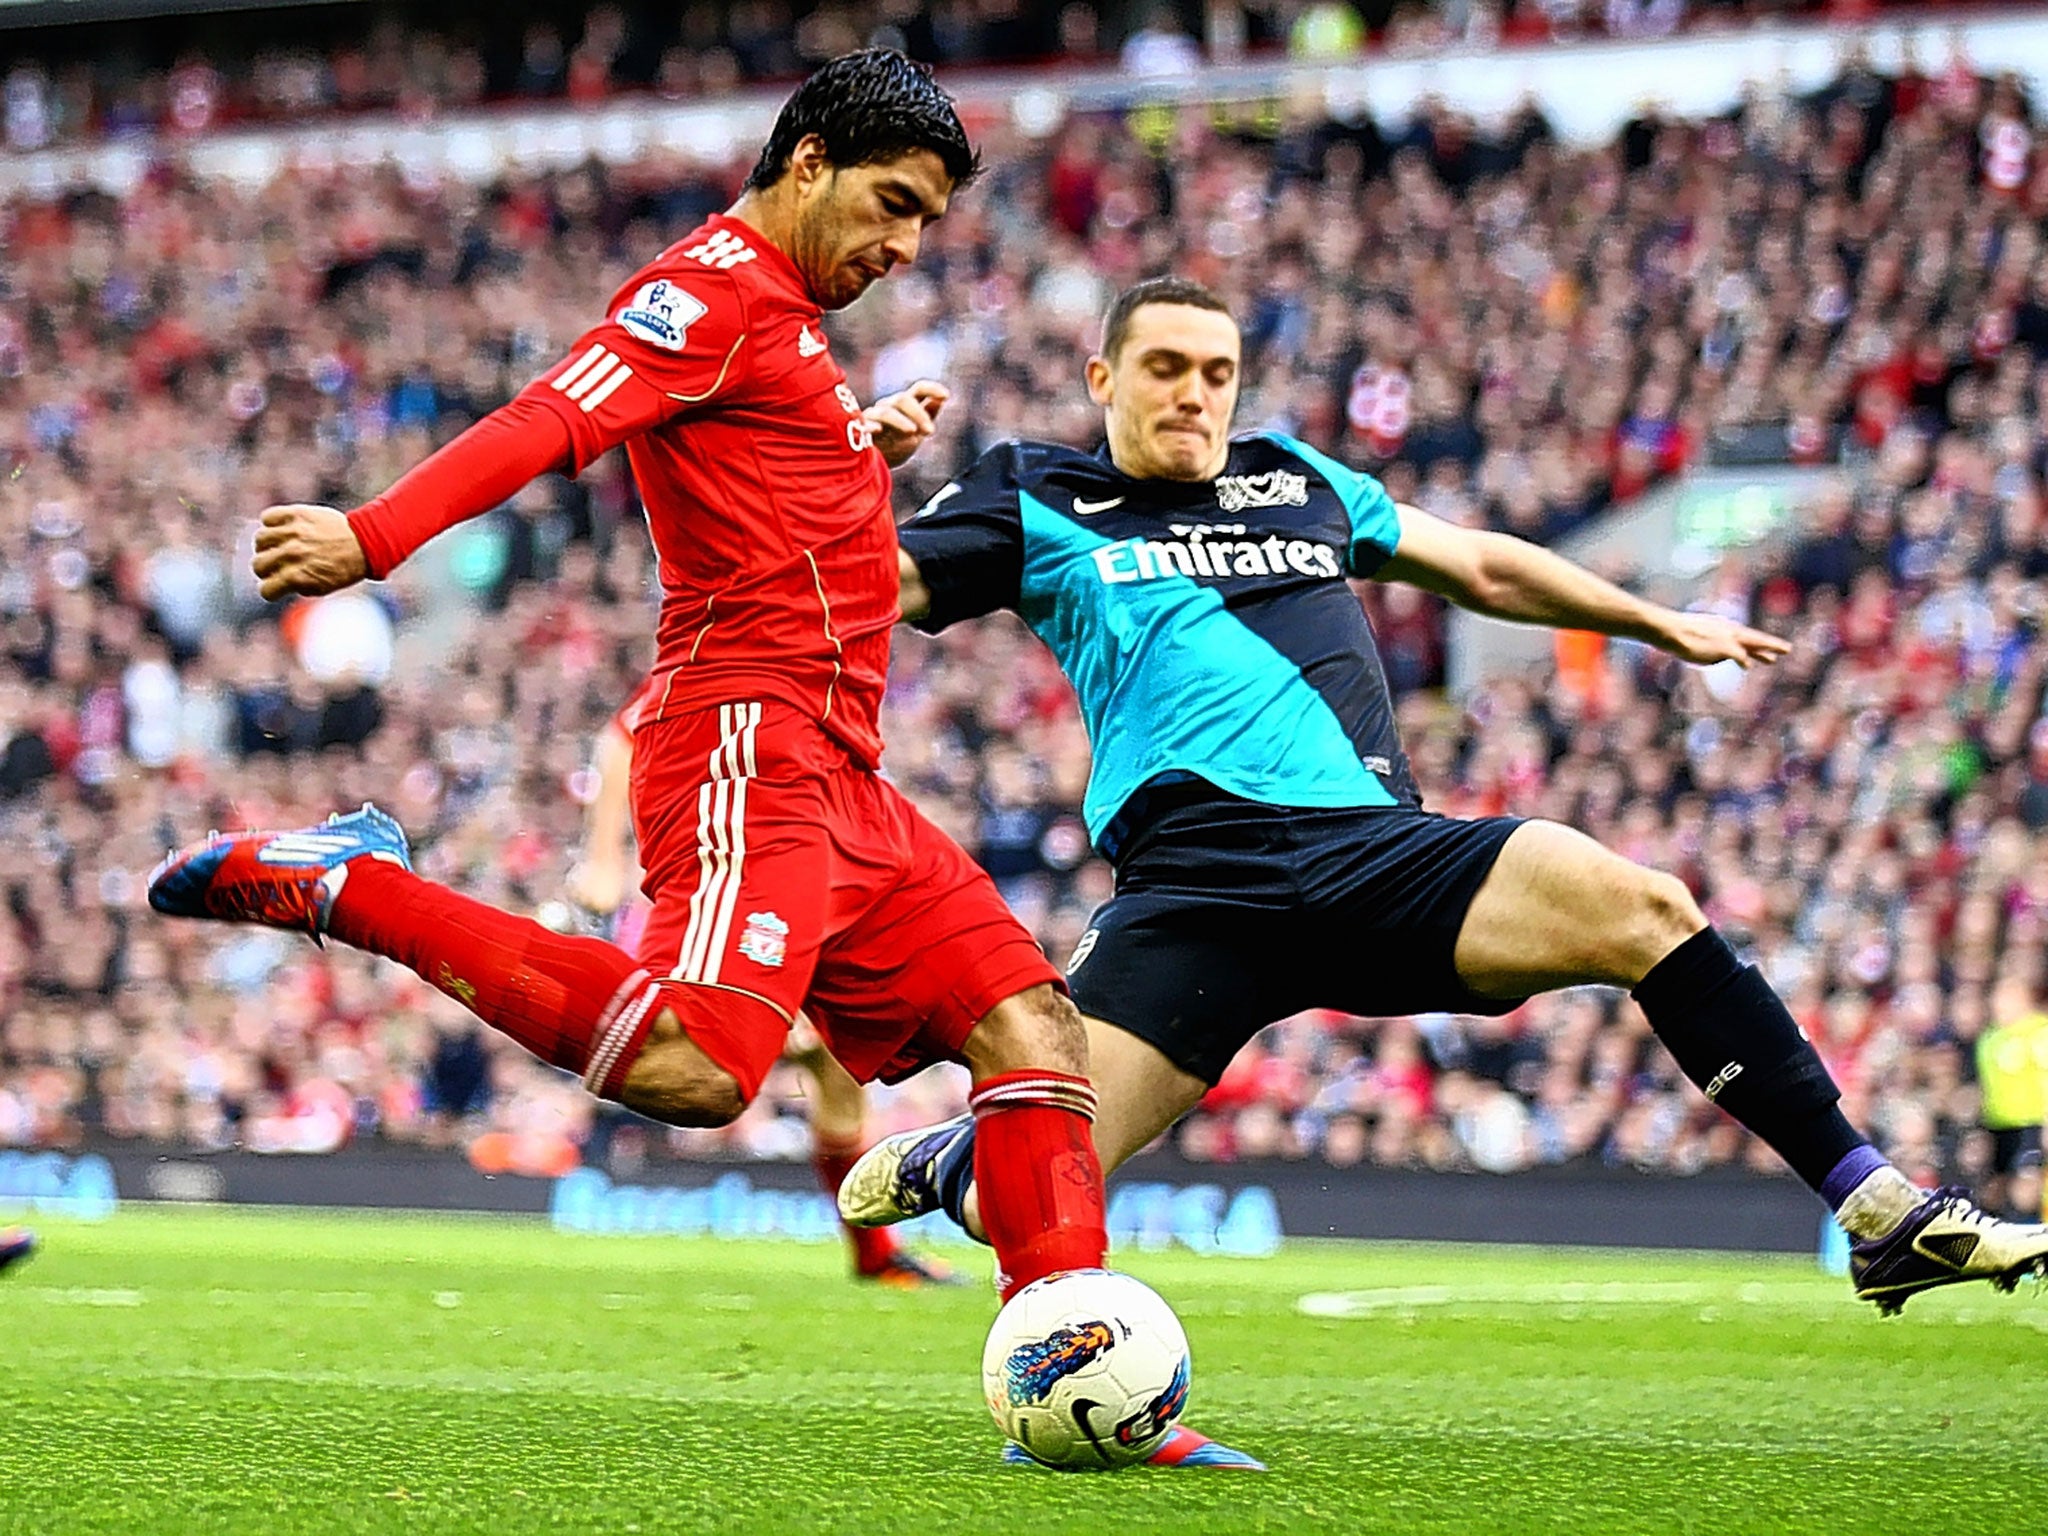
[
  {"x": 1229, "y": 916},
  {"x": 2015, "y": 1148}
]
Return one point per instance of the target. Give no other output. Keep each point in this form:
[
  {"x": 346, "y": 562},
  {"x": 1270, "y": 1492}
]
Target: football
[{"x": 1086, "y": 1370}]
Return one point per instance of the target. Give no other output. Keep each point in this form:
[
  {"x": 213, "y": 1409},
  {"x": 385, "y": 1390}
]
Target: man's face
[
  {"x": 1168, "y": 395},
  {"x": 854, "y": 223}
]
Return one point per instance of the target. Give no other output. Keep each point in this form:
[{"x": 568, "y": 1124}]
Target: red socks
[
  {"x": 873, "y": 1247},
  {"x": 578, "y": 1003},
  {"x": 1040, "y": 1181},
  {"x": 584, "y": 1005}
]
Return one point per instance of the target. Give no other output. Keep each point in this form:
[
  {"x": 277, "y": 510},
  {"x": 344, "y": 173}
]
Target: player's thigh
[
  {"x": 1386, "y": 893},
  {"x": 738, "y": 874},
  {"x": 1139, "y": 1092},
  {"x": 934, "y": 952},
  {"x": 1559, "y": 910}
]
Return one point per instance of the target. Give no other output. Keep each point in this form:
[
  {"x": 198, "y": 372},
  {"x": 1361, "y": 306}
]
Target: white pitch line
[
  {"x": 80, "y": 1296},
  {"x": 1780, "y": 1295}
]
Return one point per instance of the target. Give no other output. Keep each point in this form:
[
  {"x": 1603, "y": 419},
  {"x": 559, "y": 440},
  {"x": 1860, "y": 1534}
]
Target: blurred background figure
[{"x": 2012, "y": 1068}]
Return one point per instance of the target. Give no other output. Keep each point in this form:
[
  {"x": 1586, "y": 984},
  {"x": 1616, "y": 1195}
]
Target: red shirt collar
[{"x": 770, "y": 257}]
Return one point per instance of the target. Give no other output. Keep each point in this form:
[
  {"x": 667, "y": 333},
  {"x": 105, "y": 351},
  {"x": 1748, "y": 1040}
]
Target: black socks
[{"x": 1732, "y": 1036}]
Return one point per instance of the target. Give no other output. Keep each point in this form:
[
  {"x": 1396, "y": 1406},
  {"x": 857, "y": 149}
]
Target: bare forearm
[
  {"x": 1530, "y": 585},
  {"x": 1493, "y": 574}
]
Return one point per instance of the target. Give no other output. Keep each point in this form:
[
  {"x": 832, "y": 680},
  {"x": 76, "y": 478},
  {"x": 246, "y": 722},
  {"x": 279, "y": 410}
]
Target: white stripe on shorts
[{"x": 721, "y": 844}]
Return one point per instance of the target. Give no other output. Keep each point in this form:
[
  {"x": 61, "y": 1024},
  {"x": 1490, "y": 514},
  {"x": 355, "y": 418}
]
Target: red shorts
[{"x": 782, "y": 870}]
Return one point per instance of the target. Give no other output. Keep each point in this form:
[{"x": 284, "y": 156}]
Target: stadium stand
[
  {"x": 184, "y": 75},
  {"x": 1510, "y": 331}
]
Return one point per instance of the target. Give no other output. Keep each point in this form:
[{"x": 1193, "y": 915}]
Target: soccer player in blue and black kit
[{"x": 1271, "y": 850}]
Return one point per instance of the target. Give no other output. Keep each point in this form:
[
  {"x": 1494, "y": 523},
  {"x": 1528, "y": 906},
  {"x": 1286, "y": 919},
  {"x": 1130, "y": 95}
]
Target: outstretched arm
[
  {"x": 668, "y": 351},
  {"x": 1509, "y": 578},
  {"x": 309, "y": 550}
]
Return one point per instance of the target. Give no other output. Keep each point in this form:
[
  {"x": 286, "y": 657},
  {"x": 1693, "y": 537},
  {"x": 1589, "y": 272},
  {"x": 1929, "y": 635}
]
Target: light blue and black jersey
[{"x": 1207, "y": 626}]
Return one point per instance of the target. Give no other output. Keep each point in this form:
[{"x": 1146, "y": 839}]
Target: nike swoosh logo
[
  {"x": 1090, "y": 508},
  {"x": 1084, "y": 1409}
]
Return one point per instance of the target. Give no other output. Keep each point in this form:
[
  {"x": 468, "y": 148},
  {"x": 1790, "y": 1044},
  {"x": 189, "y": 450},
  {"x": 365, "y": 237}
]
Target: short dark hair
[
  {"x": 869, "y": 106},
  {"x": 1116, "y": 325}
]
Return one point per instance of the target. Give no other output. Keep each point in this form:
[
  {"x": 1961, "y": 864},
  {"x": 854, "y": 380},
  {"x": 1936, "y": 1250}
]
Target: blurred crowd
[
  {"x": 1512, "y": 334},
  {"x": 187, "y": 75}
]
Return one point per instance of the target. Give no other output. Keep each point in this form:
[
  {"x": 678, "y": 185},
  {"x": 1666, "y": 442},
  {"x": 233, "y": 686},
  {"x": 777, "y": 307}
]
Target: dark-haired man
[
  {"x": 1272, "y": 854},
  {"x": 785, "y": 873}
]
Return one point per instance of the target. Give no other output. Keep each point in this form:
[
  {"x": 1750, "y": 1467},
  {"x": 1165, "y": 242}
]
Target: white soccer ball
[{"x": 1086, "y": 1370}]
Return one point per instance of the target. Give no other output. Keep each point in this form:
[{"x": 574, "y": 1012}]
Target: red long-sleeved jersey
[{"x": 768, "y": 505}]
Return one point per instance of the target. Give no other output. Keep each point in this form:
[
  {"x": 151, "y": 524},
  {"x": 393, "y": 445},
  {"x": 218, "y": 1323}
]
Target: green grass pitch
[{"x": 178, "y": 1371}]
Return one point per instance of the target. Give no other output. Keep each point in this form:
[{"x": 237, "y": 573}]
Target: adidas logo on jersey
[
  {"x": 1275, "y": 488},
  {"x": 808, "y": 345},
  {"x": 721, "y": 249},
  {"x": 1196, "y": 553}
]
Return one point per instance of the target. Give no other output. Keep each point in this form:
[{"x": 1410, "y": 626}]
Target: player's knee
[
  {"x": 704, "y": 1103},
  {"x": 673, "y": 1081},
  {"x": 1037, "y": 1028},
  {"x": 811, "y": 1056},
  {"x": 1665, "y": 917}
]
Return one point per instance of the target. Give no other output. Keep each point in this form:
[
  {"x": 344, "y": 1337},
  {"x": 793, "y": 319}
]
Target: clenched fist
[{"x": 307, "y": 551}]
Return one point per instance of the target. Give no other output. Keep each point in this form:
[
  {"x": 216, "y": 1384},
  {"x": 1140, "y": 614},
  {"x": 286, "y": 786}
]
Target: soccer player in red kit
[
  {"x": 599, "y": 890},
  {"x": 785, "y": 873}
]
